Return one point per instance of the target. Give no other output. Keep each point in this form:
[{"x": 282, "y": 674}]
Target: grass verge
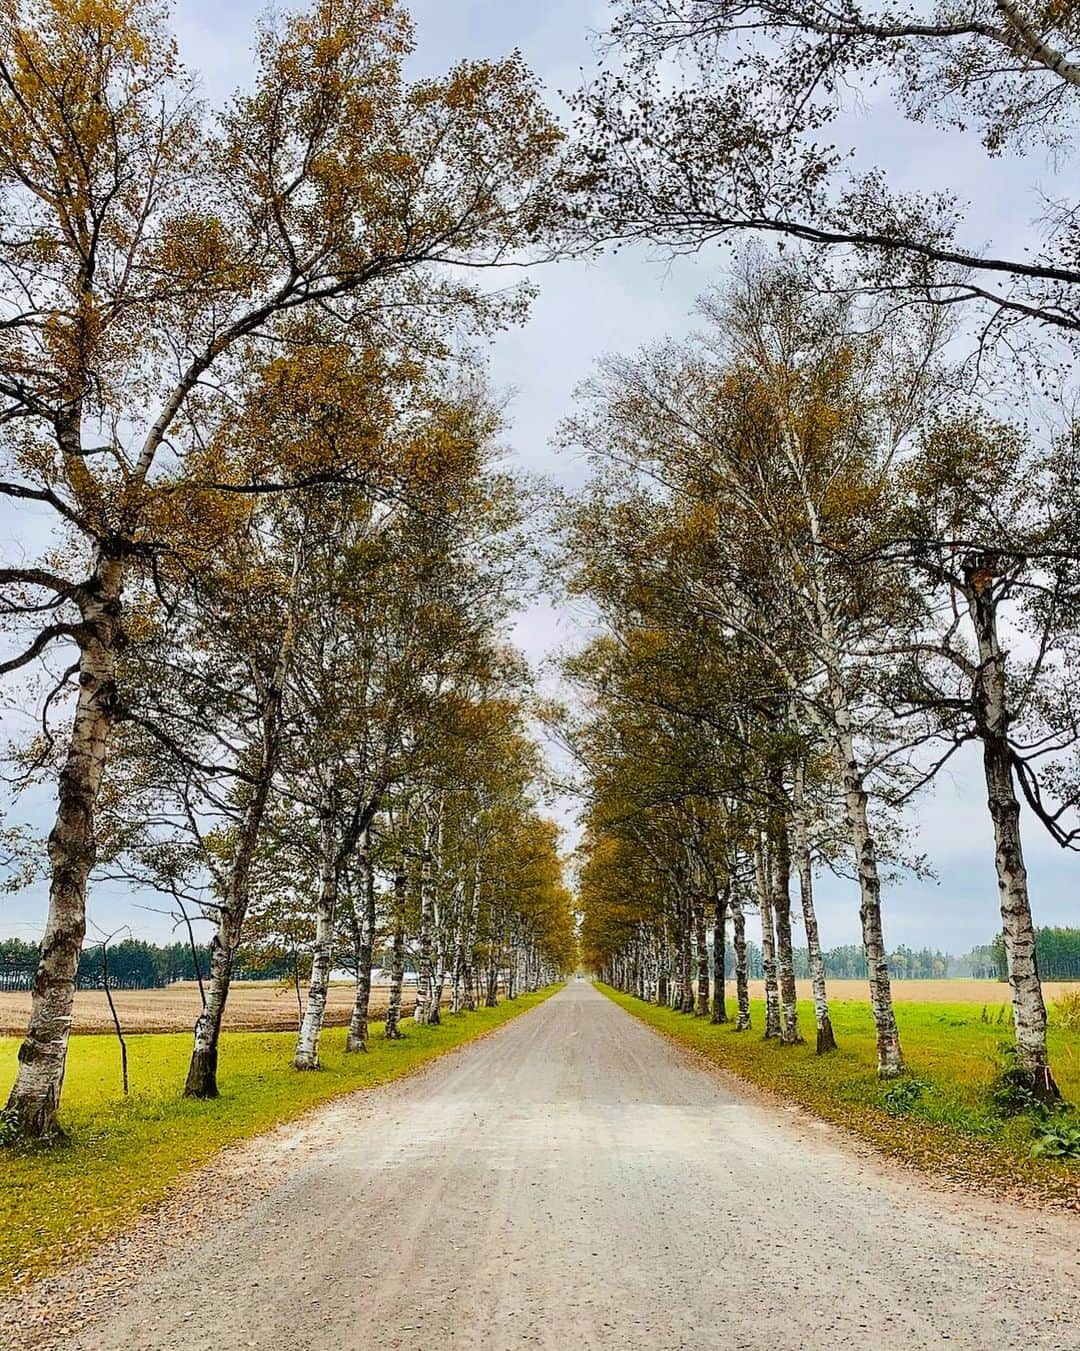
[
  {"x": 125, "y": 1154},
  {"x": 944, "y": 1125}
]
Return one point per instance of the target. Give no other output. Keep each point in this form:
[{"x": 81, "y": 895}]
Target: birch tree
[
  {"x": 987, "y": 531},
  {"x": 773, "y": 443}
]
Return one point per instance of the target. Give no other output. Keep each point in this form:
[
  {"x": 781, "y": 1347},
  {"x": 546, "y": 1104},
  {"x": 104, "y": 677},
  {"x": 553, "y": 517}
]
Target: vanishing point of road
[{"x": 575, "y": 1181}]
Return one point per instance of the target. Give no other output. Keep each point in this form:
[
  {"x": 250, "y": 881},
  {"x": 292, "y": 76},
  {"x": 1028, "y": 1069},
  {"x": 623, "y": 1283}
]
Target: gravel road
[{"x": 574, "y": 1181}]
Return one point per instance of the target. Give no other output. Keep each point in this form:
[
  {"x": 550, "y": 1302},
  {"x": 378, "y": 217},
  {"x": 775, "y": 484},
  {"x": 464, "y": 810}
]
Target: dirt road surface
[{"x": 574, "y": 1181}]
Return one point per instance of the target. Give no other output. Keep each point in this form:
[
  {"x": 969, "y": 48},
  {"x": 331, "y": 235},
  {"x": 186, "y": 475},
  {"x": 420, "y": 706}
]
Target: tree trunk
[
  {"x": 768, "y": 942},
  {"x": 357, "y": 1036},
  {"x": 202, "y": 1079},
  {"x": 392, "y": 1026},
  {"x": 466, "y": 948},
  {"x": 307, "y": 1041},
  {"x": 780, "y": 859},
  {"x": 742, "y": 973},
  {"x": 426, "y": 1011},
  {"x": 890, "y": 1060},
  {"x": 719, "y": 1007},
  {"x": 35, "y": 1096},
  {"x": 686, "y": 965},
  {"x": 202, "y": 1070},
  {"x": 699, "y": 938},
  {"x": 992, "y": 722},
  {"x": 826, "y": 1040}
]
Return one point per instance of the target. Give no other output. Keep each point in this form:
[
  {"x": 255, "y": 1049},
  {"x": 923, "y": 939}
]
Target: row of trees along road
[
  {"x": 803, "y": 554},
  {"x": 808, "y": 560},
  {"x": 274, "y": 554},
  {"x": 260, "y": 476}
]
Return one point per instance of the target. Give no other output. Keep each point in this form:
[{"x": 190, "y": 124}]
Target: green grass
[
  {"x": 947, "y": 1126},
  {"x": 124, "y": 1154}
]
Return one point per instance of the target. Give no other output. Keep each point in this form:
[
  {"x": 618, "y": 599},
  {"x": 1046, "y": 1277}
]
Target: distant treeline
[
  {"x": 133, "y": 965},
  {"x": 137, "y": 965},
  {"x": 1057, "y": 953},
  {"x": 848, "y": 963}
]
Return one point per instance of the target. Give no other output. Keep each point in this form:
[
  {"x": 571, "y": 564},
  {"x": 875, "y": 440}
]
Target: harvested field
[
  {"x": 255, "y": 1006},
  {"x": 268, "y": 1007}
]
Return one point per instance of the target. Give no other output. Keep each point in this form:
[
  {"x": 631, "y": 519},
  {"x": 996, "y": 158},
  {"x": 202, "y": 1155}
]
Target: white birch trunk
[
  {"x": 991, "y": 713},
  {"x": 464, "y": 977},
  {"x": 742, "y": 971},
  {"x": 686, "y": 979},
  {"x": 780, "y": 860},
  {"x": 392, "y": 1026},
  {"x": 35, "y": 1097},
  {"x": 357, "y": 1036},
  {"x": 826, "y": 1040},
  {"x": 719, "y": 1005},
  {"x": 702, "y": 956},
  {"x": 426, "y": 1009},
  {"x": 890, "y": 1061},
  {"x": 307, "y": 1041},
  {"x": 768, "y": 942}
]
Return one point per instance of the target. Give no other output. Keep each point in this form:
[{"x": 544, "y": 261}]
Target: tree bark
[
  {"x": 742, "y": 973},
  {"x": 34, "y": 1100},
  {"x": 992, "y": 721},
  {"x": 768, "y": 942},
  {"x": 686, "y": 965},
  {"x": 702, "y": 956},
  {"x": 202, "y": 1081},
  {"x": 322, "y": 951},
  {"x": 826, "y": 1039},
  {"x": 202, "y": 1069},
  {"x": 465, "y": 984},
  {"x": 780, "y": 860},
  {"x": 890, "y": 1061},
  {"x": 426, "y": 1010},
  {"x": 357, "y": 1036},
  {"x": 392, "y": 1026},
  {"x": 719, "y": 1007}
]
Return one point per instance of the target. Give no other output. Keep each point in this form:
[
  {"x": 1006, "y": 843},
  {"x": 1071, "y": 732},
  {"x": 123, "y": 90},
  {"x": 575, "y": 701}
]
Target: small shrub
[
  {"x": 1065, "y": 1011},
  {"x": 903, "y": 1096},
  {"x": 1012, "y": 1090},
  {"x": 1057, "y": 1137}
]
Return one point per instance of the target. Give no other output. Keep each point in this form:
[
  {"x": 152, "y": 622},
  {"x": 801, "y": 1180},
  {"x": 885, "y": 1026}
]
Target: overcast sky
[{"x": 616, "y": 303}]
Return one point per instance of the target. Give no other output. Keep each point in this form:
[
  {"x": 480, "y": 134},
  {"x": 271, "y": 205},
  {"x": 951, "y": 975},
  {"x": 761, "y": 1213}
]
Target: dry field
[
  {"x": 252, "y": 1007},
  {"x": 266, "y": 1007},
  {"x": 960, "y": 991}
]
